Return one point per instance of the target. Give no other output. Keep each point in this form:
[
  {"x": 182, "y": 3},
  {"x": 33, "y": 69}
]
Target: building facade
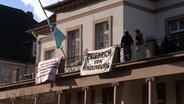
[{"x": 156, "y": 78}]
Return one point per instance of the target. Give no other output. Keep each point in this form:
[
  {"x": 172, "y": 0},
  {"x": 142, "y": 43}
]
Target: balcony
[
  {"x": 152, "y": 48},
  {"x": 164, "y": 46}
]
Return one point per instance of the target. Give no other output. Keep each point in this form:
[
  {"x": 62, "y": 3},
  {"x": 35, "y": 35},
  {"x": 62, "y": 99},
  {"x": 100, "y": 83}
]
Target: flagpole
[
  {"x": 63, "y": 53},
  {"x": 51, "y": 27},
  {"x": 45, "y": 13}
]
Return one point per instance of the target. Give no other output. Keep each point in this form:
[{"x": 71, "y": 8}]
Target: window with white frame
[
  {"x": 101, "y": 36},
  {"x": 74, "y": 45},
  {"x": 49, "y": 54},
  {"x": 102, "y": 33},
  {"x": 176, "y": 26}
]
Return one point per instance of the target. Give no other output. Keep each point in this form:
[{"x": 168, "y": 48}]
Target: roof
[
  {"x": 38, "y": 28},
  {"x": 67, "y": 5},
  {"x": 15, "y": 43},
  {"x": 154, "y": 0}
]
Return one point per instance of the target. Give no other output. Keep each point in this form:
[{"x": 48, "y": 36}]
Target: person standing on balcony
[
  {"x": 139, "y": 43},
  {"x": 126, "y": 43}
]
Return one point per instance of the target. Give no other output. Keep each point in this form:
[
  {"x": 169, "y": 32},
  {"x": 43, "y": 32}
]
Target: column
[
  {"x": 87, "y": 95},
  {"x": 152, "y": 98},
  {"x": 58, "y": 97},
  {"x": 36, "y": 99},
  {"x": 13, "y": 100},
  {"x": 62, "y": 97},
  {"x": 118, "y": 93},
  {"x": 150, "y": 46}
]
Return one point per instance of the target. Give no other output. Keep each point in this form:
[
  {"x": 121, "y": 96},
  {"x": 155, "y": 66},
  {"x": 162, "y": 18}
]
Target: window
[
  {"x": 67, "y": 98},
  {"x": 176, "y": 26},
  {"x": 180, "y": 92},
  {"x": 161, "y": 94},
  {"x": 80, "y": 97},
  {"x": 102, "y": 32},
  {"x": 175, "y": 32},
  {"x": 49, "y": 53},
  {"x": 74, "y": 45},
  {"x": 107, "y": 95},
  {"x": 181, "y": 24},
  {"x": 92, "y": 96}
]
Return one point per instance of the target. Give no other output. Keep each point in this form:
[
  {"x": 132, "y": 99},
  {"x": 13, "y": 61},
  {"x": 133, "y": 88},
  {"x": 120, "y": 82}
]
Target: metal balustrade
[
  {"x": 73, "y": 64},
  {"x": 152, "y": 47}
]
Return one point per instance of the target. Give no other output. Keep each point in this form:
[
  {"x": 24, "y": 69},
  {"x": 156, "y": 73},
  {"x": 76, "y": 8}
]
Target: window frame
[
  {"x": 106, "y": 19},
  {"x": 169, "y": 20},
  {"x": 177, "y": 26},
  {"x": 178, "y": 91},
  {"x": 79, "y": 27},
  {"x": 107, "y": 94},
  {"x": 80, "y": 97},
  {"x": 46, "y": 50},
  {"x": 162, "y": 95}
]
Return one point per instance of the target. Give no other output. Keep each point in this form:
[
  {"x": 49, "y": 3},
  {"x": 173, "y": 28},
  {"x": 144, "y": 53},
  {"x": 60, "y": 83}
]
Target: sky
[{"x": 30, "y": 5}]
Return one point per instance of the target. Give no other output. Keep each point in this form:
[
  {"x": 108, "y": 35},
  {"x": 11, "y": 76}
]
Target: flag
[
  {"x": 57, "y": 34},
  {"x": 59, "y": 37}
]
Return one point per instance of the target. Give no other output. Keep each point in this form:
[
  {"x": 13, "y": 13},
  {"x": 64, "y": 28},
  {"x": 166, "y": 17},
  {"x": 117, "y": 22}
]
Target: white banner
[
  {"x": 47, "y": 70},
  {"x": 97, "y": 61}
]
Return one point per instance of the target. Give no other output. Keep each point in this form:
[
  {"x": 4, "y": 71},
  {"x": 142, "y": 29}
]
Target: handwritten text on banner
[
  {"x": 47, "y": 70},
  {"x": 98, "y": 61}
]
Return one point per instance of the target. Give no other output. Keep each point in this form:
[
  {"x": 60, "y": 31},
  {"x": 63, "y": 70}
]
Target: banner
[
  {"x": 97, "y": 61},
  {"x": 47, "y": 70}
]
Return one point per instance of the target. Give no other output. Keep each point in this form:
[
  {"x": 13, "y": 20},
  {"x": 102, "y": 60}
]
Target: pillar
[
  {"x": 118, "y": 93},
  {"x": 58, "y": 97},
  {"x": 13, "y": 100},
  {"x": 150, "y": 47},
  {"x": 87, "y": 95},
  {"x": 15, "y": 75},
  {"x": 36, "y": 99},
  {"x": 61, "y": 97},
  {"x": 152, "y": 98}
]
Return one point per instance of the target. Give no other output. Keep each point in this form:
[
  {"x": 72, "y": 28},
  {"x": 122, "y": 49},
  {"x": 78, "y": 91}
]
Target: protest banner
[
  {"x": 47, "y": 70},
  {"x": 97, "y": 61}
]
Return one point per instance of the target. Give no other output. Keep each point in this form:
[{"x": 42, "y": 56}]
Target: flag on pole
[
  {"x": 57, "y": 34},
  {"x": 59, "y": 37}
]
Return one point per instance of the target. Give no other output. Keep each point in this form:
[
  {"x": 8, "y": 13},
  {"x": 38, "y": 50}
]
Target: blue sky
[{"x": 30, "y": 5}]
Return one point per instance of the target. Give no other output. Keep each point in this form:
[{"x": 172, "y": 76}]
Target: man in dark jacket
[{"x": 126, "y": 43}]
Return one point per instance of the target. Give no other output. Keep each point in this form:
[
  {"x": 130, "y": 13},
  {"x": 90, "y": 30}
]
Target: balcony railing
[
  {"x": 172, "y": 44},
  {"x": 152, "y": 47},
  {"x": 166, "y": 45},
  {"x": 73, "y": 63}
]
